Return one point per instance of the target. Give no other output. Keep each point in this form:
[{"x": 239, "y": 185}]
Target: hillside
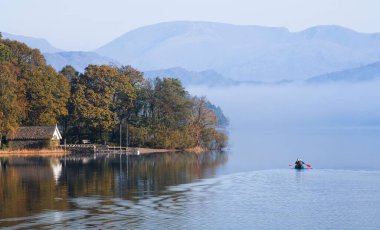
[
  {"x": 58, "y": 58},
  {"x": 217, "y": 53},
  {"x": 244, "y": 53},
  {"x": 208, "y": 77},
  {"x": 36, "y": 43},
  {"x": 360, "y": 74},
  {"x": 79, "y": 60}
]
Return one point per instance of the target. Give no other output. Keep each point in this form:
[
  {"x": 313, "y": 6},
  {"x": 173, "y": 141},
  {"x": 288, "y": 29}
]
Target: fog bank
[
  {"x": 297, "y": 105},
  {"x": 333, "y": 126}
]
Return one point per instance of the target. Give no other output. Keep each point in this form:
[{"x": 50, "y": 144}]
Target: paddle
[{"x": 307, "y": 165}]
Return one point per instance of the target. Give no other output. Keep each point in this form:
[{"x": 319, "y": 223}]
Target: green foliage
[{"x": 171, "y": 107}]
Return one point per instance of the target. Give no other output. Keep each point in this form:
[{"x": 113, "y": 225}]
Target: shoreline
[
  {"x": 150, "y": 150},
  {"x": 33, "y": 152},
  {"x": 62, "y": 152}
]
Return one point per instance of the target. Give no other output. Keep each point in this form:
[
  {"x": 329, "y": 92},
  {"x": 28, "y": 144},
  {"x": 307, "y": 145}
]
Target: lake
[
  {"x": 248, "y": 186},
  {"x": 174, "y": 191}
]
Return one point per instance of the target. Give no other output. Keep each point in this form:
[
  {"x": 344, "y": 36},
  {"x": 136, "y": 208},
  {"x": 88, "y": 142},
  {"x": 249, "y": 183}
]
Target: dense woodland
[{"x": 105, "y": 104}]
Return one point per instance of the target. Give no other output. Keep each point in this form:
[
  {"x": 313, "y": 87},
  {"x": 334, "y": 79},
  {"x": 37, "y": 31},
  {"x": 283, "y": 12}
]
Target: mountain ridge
[
  {"x": 36, "y": 43},
  {"x": 369, "y": 72},
  {"x": 244, "y": 52},
  {"x": 205, "y": 77},
  {"x": 77, "y": 59},
  {"x": 239, "y": 53}
]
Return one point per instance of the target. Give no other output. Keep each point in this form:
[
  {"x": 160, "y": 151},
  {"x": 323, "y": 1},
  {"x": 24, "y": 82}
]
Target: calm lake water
[
  {"x": 249, "y": 186},
  {"x": 167, "y": 191}
]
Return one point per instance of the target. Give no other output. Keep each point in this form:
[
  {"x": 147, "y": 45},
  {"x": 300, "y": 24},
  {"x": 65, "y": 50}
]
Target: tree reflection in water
[{"x": 31, "y": 185}]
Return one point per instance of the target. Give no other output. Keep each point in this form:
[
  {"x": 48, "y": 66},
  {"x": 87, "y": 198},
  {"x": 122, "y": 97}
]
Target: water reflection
[
  {"x": 29, "y": 186},
  {"x": 56, "y": 167},
  {"x": 267, "y": 199}
]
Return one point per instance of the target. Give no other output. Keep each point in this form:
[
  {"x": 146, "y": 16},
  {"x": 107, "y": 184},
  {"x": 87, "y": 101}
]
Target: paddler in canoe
[{"x": 299, "y": 164}]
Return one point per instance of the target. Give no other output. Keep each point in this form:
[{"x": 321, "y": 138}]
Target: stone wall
[{"x": 33, "y": 144}]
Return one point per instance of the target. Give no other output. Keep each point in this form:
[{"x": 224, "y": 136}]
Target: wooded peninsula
[{"x": 105, "y": 104}]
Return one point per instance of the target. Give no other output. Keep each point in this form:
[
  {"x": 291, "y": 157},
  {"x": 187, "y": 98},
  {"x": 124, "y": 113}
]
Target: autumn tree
[
  {"x": 97, "y": 104},
  {"x": 125, "y": 95},
  {"x": 47, "y": 93},
  {"x": 101, "y": 98},
  {"x": 70, "y": 73},
  {"x": 10, "y": 111},
  {"x": 92, "y": 101},
  {"x": 170, "y": 110},
  {"x": 32, "y": 93},
  {"x": 202, "y": 118}
]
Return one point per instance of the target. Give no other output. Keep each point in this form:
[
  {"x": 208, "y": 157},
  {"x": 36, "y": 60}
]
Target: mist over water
[{"x": 335, "y": 126}]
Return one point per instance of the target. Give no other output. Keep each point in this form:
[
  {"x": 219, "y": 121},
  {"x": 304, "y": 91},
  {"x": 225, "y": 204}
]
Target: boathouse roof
[{"x": 36, "y": 133}]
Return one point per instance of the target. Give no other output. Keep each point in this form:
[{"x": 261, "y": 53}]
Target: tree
[
  {"x": 5, "y": 53},
  {"x": 70, "y": 73},
  {"x": 47, "y": 94},
  {"x": 139, "y": 119},
  {"x": 31, "y": 92},
  {"x": 171, "y": 106},
  {"x": 135, "y": 77},
  {"x": 101, "y": 99},
  {"x": 222, "y": 120},
  {"x": 10, "y": 111},
  {"x": 170, "y": 109},
  {"x": 72, "y": 76},
  {"x": 92, "y": 101},
  {"x": 202, "y": 118},
  {"x": 99, "y": 102},
  {"x": 125, "y": 94}
]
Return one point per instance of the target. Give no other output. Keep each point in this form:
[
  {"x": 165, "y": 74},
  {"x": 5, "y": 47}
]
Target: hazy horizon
[
  {"x": 331, "y": 125},
  {"x": 86, "y": 25},
  {"x": 176, "y": 21}
]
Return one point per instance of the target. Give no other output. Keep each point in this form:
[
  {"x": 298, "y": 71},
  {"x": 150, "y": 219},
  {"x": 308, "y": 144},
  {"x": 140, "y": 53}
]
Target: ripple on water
[{"x": 271, "y": 199}]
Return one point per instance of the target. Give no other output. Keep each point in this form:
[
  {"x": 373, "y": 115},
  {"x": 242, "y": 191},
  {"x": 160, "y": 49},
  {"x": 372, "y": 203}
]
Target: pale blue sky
[{"x": 88, "y": 24}]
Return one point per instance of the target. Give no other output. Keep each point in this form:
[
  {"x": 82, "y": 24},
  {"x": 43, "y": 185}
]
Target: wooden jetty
[{"x": 99, "y": 149}]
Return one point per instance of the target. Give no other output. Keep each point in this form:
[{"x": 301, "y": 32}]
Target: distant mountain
[
  {"x": 58, "y": 58},
  {"x": 207, "y": 77},
  {"x": 79, "y": 60},
  {"x": 244, "y": 53},
  {"x": 36, "y": 43},
  {"x": 360, "y": 74}
]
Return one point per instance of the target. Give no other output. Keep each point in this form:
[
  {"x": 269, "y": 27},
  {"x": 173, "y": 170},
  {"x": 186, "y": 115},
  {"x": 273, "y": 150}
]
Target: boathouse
[{"x": 35, "y": 137}]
